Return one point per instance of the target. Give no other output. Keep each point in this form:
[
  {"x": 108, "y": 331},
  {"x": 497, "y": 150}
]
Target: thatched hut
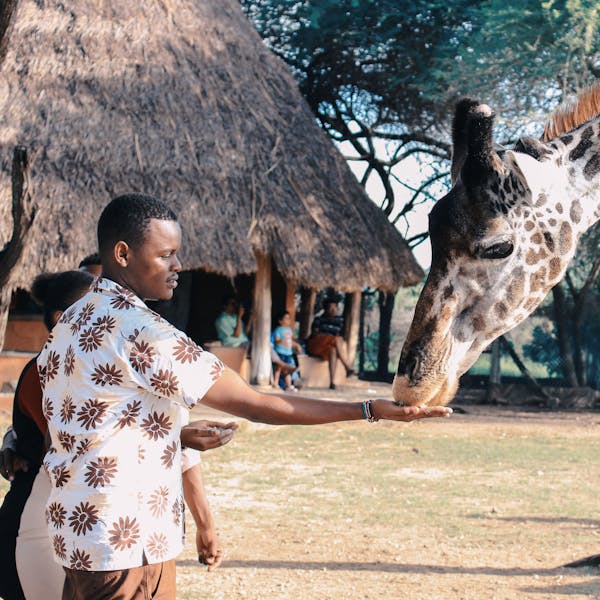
[{"x": 181, "y": 99}]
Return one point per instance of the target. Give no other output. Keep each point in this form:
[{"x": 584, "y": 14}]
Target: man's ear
[{"x": 121, "y": 253}]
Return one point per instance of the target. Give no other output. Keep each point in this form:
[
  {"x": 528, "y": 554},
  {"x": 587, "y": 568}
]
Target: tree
[
  {"x": 382, "y": 77},
  {"x": 23, "y": 214},
  {"x": 570, "y": 349}
]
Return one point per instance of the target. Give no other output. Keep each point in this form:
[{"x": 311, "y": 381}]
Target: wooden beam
[
  {"x": 351, "y": 324},
  {"x": 260, "y": 372},
  {"x": 307, "y": 311},
  {"x": 290, "y": 299}
]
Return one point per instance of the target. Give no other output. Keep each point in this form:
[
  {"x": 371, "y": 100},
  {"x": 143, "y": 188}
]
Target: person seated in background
[
  {"x": 326, "y": 342},
  {"x": 284, "y": 345},
  {"x": 230, "y": 325}
]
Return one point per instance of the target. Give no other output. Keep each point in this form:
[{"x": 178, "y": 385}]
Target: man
[
  {"x": 208, "y": 543},
  {"x": 114, "y": 374}
]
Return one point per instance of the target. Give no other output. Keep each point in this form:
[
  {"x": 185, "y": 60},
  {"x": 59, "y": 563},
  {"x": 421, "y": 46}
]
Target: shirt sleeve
[
  {"x": 189, "y": 457},
  {"x": 171, "y": 365}
]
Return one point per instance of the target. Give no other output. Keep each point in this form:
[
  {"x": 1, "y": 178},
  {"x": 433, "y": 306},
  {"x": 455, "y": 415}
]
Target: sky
[{"x": 413, "y": 173}]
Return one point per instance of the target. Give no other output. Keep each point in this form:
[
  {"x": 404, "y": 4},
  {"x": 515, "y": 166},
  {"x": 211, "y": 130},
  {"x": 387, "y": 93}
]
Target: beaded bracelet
[{"x": 367, "y": 409}]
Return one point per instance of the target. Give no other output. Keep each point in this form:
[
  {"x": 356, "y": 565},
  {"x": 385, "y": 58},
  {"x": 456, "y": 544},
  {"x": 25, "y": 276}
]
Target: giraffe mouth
[{"x": 425, "y": 393}]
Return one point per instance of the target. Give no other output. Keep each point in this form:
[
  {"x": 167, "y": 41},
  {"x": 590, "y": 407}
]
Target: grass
[
  {"x": 508, "y": 367},
  {"x": 457, "y": 508}
]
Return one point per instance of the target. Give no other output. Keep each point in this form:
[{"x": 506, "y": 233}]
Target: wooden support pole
[
  {"x": 307, "y": 311},
  {"x": 260, "y": 372},
  {"x": 351, "y": 324},
  {"x": 290, "y": 299}
]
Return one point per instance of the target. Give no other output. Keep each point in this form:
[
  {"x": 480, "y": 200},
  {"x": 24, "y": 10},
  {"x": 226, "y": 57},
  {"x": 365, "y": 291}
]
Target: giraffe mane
[{"x": 571, "y": 114}]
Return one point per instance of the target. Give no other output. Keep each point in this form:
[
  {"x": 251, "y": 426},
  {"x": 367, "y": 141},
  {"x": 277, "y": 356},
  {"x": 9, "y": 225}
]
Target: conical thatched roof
[{"x": 181, "y": 99}]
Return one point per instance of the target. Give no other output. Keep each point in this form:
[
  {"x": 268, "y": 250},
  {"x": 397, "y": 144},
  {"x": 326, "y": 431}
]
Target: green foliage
[
  {"x": 543, "y": 349},
  {"x": 524, "y": 55}
]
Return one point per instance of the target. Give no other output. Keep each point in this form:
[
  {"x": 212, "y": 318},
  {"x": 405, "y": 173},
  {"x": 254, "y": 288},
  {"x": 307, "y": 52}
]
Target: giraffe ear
[
  {"x": 481, "y": 161},
  {"x": 459, "y": 135},
  {"x": 534, "y": 174},
  {"x": 533, "y": 147}
]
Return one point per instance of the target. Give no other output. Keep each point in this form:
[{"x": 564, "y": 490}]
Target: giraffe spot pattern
[
  {"x": 549, "y": 241},
  {"x": 592, "y": 167},
  {"x": 515, "y": 291},
  {"x": 501, "y": 310},
  {"x": 536, "y": 280},
  {"x": 583, "y": 146},
  {"x": 541, "y": 199},
  {"x": 532, "y": 257},
  {"x": 554, "y": 269},
  {"x": 565, "y": 239},
  {"x": 576, "y": 212},
  {"x": 529, "y": 225},
  {"x": 536, "y": 238},
  {"x": 478, "y": 323}
]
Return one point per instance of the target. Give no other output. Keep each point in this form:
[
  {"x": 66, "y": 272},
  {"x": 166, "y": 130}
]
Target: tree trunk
[
  {"x": 562, "y": 331},
  {"x": 261, "y": 337},
  {"x": 7, "y": 9},
  {"x": 521, "y": 366},
  {"x": 386, "y": 307},
  {"x": 23, "y": 214},
  {"x": 582, "y": 299},
  {"x": 495, "y": 371}
]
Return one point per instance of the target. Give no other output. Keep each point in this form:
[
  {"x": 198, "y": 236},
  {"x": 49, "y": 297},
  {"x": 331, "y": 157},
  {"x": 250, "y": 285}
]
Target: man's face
[
  {"x": 331, "y": 309},
  {"x": 152, "y": 266}
]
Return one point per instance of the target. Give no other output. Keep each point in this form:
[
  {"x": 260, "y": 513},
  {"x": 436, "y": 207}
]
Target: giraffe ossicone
[{"x": 501, "y": 238}]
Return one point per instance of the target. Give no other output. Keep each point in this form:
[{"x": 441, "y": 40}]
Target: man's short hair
[{"x": 126, "y": 218}]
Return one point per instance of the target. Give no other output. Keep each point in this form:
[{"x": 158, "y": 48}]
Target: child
[{"x": 284, "y": 344}]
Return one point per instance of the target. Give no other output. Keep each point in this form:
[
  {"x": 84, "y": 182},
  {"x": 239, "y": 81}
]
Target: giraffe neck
[{"x": 578, "y": 155}]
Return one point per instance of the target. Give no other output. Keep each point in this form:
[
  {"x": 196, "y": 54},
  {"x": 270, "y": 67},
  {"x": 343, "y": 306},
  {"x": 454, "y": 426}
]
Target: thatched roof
[{"x": 181, "y": 99}]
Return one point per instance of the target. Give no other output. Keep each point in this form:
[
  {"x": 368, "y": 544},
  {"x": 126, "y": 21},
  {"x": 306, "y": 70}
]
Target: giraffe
[{"x": 501, "y": 239}]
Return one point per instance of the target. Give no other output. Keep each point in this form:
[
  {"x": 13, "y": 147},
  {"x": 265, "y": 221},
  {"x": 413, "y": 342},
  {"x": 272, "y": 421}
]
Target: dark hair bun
[{"x": 41, "y": 287}]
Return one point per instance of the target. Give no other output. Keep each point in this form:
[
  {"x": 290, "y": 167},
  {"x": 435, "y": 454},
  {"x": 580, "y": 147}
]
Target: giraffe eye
[{"x": 498, "y": 250}]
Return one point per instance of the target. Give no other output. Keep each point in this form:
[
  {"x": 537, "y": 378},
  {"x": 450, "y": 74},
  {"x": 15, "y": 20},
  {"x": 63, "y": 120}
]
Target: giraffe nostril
[{"x": 409, "y": 366}]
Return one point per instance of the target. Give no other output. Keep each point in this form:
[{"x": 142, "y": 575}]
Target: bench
[
  {"x": 11, "y": 365},
  {"x": 314, "y": 372},
  {"x": 234, "y": 358}
]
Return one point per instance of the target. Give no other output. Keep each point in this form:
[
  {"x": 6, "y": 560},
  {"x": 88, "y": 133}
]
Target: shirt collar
[{"x": 103, "y": 285}]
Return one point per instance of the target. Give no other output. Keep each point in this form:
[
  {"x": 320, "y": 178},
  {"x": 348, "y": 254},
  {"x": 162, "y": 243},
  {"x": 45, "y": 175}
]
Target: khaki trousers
[{"x": 150, "y": 582}]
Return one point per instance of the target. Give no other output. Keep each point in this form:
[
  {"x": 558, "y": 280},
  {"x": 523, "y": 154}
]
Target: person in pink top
[{"x": 114, "y": 375}]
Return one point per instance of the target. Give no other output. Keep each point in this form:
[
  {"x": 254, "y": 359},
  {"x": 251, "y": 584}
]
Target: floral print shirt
[{"x": 114, "y": 375}]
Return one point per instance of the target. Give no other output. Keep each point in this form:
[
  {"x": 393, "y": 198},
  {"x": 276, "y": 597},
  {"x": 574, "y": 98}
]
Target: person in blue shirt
[
  {"x": 285, "y": 345},
  {"x": 230, "y": 326}
]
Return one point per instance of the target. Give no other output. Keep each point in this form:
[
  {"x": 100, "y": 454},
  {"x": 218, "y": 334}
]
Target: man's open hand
[{"x": 205, "y": 435}]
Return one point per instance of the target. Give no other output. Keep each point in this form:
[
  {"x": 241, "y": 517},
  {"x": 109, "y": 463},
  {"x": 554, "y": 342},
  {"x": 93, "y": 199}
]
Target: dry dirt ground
[{"x": 485, "y": 505}]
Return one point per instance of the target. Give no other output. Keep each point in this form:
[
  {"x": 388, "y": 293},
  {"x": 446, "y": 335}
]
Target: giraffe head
[{"x": 501, "y": 238}]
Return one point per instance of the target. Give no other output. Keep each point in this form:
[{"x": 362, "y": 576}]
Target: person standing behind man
[
  {"x": 230, "y": 325},
  {"x": 113, "y": 375}
]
